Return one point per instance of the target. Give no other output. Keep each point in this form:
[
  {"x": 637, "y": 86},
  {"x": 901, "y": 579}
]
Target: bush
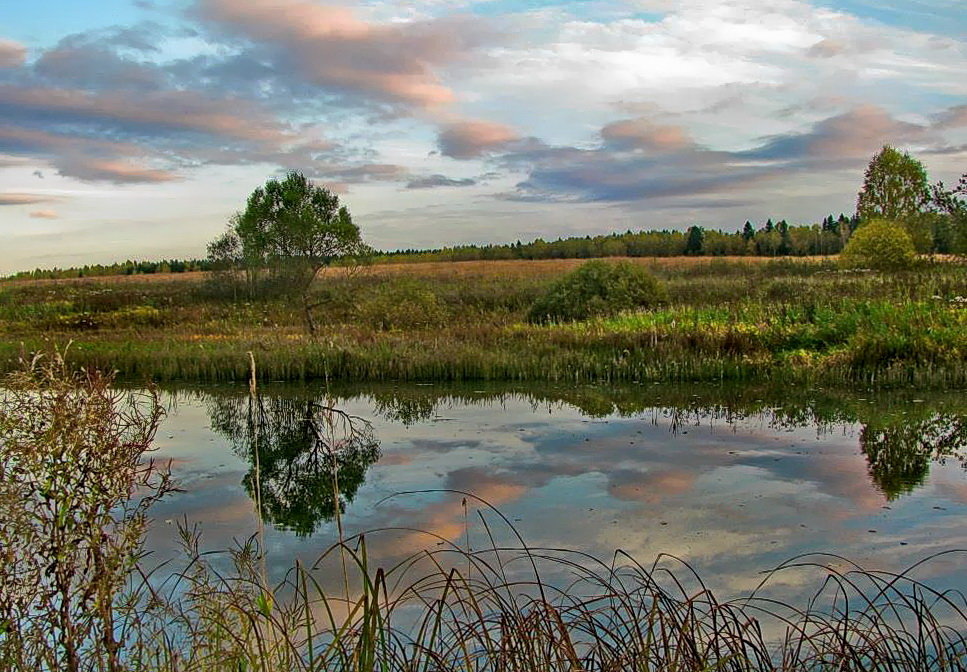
[
  {"x": 598, "y": 288},
  {"x": 401, "y": 304},
  {"x": 880, "y": 244}
]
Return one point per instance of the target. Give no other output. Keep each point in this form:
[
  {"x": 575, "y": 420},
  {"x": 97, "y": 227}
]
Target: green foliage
[
  {"x": 894, "y": 187},
  {"x": 401, "y": 304},
  {"x": 952, "y": 230},
  {"x": 694, "y": 240},
  {"x": 128, "y": 267},
  {"x": 311, "y": 457},
  {"x": 598, "y": 288},
  {"x": 293, "y": 222},
  {"x": 291, "y": 229},
  {"x": 881, "y": 245}
]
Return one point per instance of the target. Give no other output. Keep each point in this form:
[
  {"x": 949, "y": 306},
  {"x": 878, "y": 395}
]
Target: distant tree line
[
  {"x": 128, "y": 267},
  {"x": 772, "y": 239}
]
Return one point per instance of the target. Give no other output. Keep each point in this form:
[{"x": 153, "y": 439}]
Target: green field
[{"x": 724, "y": 319}]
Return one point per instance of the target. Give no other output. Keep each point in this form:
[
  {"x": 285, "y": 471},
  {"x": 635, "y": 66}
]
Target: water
[{"x": 733, "y": 481}]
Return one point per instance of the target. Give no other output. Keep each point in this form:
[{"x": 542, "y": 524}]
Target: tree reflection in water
[
  {"x": 899, "y": 454},
  {"x": 311, "y": 456},
  {"x": 899, "y": 438}
]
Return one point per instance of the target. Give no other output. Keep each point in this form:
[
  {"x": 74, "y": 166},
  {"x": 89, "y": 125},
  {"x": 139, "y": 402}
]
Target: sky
[{"x": 134, "y": 129}]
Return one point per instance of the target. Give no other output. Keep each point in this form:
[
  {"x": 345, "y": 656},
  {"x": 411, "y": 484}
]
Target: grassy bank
[{"x": 784, "y": 321}]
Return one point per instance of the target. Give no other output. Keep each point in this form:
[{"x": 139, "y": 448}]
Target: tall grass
[
  {"x": 529, "y": 609},
  {"x": 803, "y": 322}
]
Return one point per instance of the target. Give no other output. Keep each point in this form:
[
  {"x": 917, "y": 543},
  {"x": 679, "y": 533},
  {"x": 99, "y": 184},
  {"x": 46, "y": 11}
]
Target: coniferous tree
[
  {"x": 694, "y": 241},
  {"x": 748, "y": 231}
]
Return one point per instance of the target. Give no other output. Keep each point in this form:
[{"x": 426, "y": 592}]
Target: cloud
[
  {"x": 119, "y": 172},
  {"x": 852, "y": 136},
  {"x": 470, "y": 139},
  {"x": 93, "y": 110},
  {"x": 674, "y": 168},
  {"x": 954, "y": 117},
  {"x": 12, "y": 54},
  {"x": 827, "y": 48},
  {"x": 651, "y": 487},
  {"x": 329, "y": 47},
  {"x": 644, "y": 134},
  {"x": 23, "y": 199},
  {"x": 368, "y": 172},
  {"x": 96, "y": 66},
  {"x": 434, "y": 181},
  {"x": 44, "y": 214},
  {"x": 83, "y": 158},
  {"x": 153, "y": 113}
]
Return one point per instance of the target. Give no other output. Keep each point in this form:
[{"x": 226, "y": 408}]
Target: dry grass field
[{"x": 503, "y": 268}]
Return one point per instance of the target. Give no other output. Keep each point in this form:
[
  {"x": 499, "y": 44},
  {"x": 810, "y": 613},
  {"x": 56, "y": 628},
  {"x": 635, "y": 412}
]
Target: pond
[{"x": 732, "y": 481}]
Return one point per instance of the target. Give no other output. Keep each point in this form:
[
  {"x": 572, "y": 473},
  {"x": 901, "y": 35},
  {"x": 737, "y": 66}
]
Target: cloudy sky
[{"x": 135, "y": 128}]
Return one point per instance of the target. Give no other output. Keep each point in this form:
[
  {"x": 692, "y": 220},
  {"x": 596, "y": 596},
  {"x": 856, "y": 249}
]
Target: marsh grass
[
  {"x": 785, "y": 321},
  {"x": 517, "y": 607}
]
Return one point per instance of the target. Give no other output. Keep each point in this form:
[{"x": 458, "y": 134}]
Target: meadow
[{"x": 803, "y": 320}]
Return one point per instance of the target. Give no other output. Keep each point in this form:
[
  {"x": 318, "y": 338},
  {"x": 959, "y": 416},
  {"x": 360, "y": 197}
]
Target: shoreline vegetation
[{"x": 721, "y": 319}]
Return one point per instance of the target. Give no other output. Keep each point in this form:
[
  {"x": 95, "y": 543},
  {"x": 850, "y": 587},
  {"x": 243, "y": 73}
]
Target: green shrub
[
  {"x": 401, "y": 304},
  {"x": 598, "y": 288},
  {"x": 881, "y": 245}
]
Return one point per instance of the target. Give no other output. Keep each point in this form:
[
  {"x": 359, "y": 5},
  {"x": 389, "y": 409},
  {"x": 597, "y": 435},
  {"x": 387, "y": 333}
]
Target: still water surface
[{"x": 732, "y": 480}]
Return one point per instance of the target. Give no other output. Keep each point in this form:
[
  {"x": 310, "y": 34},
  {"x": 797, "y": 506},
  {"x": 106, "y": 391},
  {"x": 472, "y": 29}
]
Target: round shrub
[
  {"x": 881, "y": 245},
  {"x": 598, "y": 288}
]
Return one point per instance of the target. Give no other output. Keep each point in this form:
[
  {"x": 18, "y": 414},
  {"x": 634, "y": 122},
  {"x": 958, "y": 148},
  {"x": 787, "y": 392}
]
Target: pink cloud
[
  {"x": 185, "y": 110},
  {"x": 44, "y": 214},
  {"x": 653, "y": 487},
  {"x": 23, "y": 199},
  {"x": 12, "y": 54},
  {"x": 331, "y": 48},
  {"x": 85, "y": 158},
  {"x": 469, "y": 139},
  {"x": 953, "y": 117},
  {"x": 115, "y": 171},
  {"x": 643, "y": 134},
  {"x": 33, "y": 140},
  {"x": 859, "y": 132}
]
